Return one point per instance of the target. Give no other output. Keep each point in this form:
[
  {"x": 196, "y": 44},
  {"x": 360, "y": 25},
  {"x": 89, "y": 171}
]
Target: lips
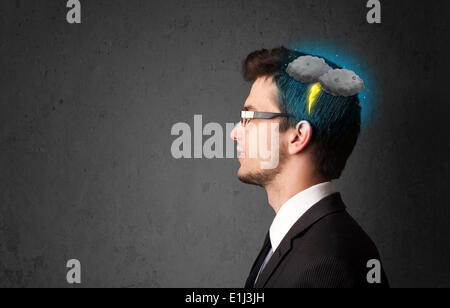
[{"x": 240, "y": 154}]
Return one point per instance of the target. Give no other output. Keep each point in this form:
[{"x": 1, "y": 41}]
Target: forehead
[{"x": 263, "y": 95}]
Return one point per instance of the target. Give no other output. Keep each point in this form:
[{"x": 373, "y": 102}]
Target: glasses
[{"x": 247, "y": 116}]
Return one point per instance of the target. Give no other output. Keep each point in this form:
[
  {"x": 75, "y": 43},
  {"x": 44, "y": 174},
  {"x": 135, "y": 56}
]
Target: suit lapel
[
  {"x": 258, "y": 262},
  {"x": 330, "y": 204}
]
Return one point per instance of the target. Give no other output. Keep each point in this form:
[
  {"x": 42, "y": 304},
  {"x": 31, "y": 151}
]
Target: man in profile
[{"x": 312, "y": 241}]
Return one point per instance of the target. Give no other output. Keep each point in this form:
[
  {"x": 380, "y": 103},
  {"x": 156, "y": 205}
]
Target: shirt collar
[{"x": 294, "y": 208}]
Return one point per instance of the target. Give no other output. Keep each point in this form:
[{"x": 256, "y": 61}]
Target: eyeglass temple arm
[{"x": 262, "y": 115}]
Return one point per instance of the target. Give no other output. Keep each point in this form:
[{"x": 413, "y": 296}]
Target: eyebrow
[{"x": 249, "y": 107}]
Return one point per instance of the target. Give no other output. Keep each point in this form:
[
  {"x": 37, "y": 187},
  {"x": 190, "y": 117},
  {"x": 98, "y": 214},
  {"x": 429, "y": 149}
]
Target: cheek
[
  {"x": 246, "y": 136},
  {"x": 260, "y": 140},
  {"x": 273, "y": 137}
]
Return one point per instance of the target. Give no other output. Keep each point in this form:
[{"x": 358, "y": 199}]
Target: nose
[{"x": 234, "y": 132}]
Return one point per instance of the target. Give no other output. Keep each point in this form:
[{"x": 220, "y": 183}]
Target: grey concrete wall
[{"x": 86, "y": 112}]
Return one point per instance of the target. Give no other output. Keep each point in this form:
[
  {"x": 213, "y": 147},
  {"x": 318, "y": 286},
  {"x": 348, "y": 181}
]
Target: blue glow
[{"x": 344, "y": 58}]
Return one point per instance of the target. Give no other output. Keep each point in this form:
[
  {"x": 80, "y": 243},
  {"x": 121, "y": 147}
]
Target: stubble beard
[{"x": 265, "y": 176}]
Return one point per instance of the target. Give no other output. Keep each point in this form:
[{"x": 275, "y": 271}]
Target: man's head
[{"x": 314, "y": 140}]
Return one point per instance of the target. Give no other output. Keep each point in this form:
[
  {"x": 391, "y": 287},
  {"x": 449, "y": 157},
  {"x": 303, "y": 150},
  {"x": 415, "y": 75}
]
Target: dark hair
[{"x": 336, "y": 120}]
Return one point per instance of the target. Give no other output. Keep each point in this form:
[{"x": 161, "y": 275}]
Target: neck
[{"x": 289, "y": 183}]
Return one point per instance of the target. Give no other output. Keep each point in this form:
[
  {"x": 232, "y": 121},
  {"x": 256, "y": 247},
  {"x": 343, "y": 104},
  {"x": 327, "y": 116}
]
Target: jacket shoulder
[
  {"x": 333, "y": 252},
  {"x": 339, "y": 235}
]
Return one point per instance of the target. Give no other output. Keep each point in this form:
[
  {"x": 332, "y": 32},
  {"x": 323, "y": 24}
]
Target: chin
[
  {"x": 249, "y": 177},
  {"x": 240, "y": 173},
  {"x": 258, "y": 177},
  {"x": 249, "y": 180}
]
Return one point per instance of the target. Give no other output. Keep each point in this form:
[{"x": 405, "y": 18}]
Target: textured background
[{"x": 86, "y": 112}]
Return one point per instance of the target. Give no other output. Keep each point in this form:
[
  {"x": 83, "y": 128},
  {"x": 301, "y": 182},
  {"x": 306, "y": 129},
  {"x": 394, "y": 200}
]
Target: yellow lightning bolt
[{"x": 313, "y": 93}]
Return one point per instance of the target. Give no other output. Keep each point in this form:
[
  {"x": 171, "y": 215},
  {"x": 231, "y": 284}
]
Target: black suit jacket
[{"x": 325, "y": 248}]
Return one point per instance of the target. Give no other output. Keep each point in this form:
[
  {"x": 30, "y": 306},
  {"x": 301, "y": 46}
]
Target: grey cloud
[
  {"x": 307, "y": 69},
  {"x": 341, "y": 82}
]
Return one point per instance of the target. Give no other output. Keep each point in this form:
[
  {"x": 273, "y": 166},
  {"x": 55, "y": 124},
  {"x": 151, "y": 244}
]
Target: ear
[{"x": 300, "y": 137}]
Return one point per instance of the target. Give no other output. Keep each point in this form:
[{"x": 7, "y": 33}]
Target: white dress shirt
[
  {"x": 294, "y": 208},
  {"x": 291, "y": 211}
]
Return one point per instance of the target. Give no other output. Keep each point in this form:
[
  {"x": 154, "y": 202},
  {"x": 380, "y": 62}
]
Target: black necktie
[
  {"x": 269, "y": 254},
  {"x": 258, "y": 262}
]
